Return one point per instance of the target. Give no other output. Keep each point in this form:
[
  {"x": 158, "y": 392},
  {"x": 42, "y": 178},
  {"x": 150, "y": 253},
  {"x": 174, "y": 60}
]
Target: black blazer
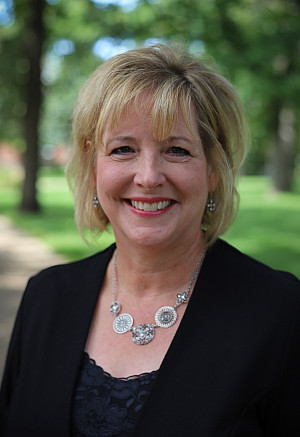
[{"x": 233, "y": 368}]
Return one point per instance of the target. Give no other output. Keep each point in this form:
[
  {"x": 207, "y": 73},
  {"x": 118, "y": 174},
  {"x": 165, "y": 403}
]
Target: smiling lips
[{"x": 152, "y": 207}]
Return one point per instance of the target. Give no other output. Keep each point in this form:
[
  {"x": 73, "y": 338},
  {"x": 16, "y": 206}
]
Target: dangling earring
[
  {"x": 96, "y": 202},
  {"x": 211, "y": 204}
]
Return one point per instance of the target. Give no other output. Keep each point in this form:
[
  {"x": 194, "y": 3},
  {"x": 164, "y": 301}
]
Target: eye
[
  {"x": 178, "y": 151},
  {"x": 123, "y": 150}
]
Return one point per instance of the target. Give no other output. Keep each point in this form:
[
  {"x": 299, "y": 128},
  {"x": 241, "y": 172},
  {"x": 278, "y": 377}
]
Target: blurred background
[{"x": 48, "y": 48}]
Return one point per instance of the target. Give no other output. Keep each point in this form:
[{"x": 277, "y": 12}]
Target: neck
[{"x": 144, "y": 271}]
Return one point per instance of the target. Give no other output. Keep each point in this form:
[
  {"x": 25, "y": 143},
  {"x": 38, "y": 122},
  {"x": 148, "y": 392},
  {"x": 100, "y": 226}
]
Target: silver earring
[
  {"x": 96, "y": 202},
  {"x": 211, "y": 204}
]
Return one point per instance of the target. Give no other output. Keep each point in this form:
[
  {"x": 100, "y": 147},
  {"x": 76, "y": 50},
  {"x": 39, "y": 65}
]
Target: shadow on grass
[{"x": 55, "y": 225}]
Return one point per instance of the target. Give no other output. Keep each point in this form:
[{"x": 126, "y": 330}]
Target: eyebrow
[
  {"x": 121, "y": 138},
  {"x": 179, "y": 138},
  {"x": 127, "y": 138}
]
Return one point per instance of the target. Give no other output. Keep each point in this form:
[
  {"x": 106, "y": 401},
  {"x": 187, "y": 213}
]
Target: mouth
[{"x": 152, "y": 207}]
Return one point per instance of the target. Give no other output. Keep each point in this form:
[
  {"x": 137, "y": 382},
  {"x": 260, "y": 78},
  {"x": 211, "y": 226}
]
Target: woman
[{"x": 170, "y": 332}]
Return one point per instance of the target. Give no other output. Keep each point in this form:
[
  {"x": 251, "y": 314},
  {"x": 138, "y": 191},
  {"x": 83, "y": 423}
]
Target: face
[{"x": 153, "y": 192}]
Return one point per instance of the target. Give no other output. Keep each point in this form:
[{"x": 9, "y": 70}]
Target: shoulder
[
  {"x": 248, "y": 283},
  {"x": 259, "y": 304},
  {"x": 239, "y": 266},
  {"x": 65, "y": 280},
  {"x": 76, "y": 267}
]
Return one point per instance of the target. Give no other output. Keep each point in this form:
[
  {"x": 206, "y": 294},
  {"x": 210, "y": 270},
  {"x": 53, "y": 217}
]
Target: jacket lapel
[
  {"x": 83, "y": 292},
  {"x": 172, "y": 399}
]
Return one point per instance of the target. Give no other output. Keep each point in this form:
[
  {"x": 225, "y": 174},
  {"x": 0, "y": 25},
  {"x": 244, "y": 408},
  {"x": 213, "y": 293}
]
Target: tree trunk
[
  {"x": 283, "y": 157},
  {"x": 34, "y": 44}
]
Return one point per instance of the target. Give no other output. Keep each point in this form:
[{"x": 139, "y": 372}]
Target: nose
[{"x": 149, "y": 172}]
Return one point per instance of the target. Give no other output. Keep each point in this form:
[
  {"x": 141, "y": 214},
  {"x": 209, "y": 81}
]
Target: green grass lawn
[
  {"x": 267, "y": 226},
  {"x": 54, "y": 224}
]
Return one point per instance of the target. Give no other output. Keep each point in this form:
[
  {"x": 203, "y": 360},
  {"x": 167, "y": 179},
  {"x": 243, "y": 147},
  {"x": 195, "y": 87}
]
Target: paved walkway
[{"x": 21, "y": 256}]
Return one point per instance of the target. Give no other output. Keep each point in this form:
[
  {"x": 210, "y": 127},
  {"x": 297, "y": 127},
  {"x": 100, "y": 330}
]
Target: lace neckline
[
  {"x": 141, "y": 376},
  {"x": 105, "y": 405}
]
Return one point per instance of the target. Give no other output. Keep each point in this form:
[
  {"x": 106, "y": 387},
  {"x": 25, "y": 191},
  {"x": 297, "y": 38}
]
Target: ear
[
  {"x": 87, "y": 145},
  {"x": 212, "y": 180},
  {"x": 93, "y": 173}
]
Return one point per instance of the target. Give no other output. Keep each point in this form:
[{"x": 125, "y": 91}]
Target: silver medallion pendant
[
  {"x": 142, "y": 334},
  {"x": 123, "y": 323},
  {"x": 165, "y": 317}
]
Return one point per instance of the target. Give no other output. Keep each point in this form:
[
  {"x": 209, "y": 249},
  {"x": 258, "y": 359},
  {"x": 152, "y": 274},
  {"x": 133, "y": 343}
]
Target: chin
[{"x": 150, "y": 238}]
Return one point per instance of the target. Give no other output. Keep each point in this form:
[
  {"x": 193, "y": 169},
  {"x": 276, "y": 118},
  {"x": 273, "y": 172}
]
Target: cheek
[
  {"x": 199, "y": 189},
  {"x": 110, "y": 179},
  {"x": 196, "y": 180}
]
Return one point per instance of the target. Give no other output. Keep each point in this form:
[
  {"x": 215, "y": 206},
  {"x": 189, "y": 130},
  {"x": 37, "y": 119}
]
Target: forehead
[{"x": 153, "y": 114}]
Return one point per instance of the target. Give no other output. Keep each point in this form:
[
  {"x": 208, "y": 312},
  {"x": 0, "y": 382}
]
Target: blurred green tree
[
  {"x": 256, "y": 42},
  {"x": 29, "y": 38}
]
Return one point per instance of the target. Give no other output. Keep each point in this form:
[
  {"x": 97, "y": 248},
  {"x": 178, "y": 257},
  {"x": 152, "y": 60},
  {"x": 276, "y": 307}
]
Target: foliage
[{"x": 255, "y": 41}]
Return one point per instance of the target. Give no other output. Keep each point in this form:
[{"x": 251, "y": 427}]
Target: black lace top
[{"x": 105, "y": 406}]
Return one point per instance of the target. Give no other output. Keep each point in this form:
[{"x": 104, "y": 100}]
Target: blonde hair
[{"x": 172, "y": 75}]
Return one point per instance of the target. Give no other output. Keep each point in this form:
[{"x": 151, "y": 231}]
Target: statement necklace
[{"x": 165, "y": 316}]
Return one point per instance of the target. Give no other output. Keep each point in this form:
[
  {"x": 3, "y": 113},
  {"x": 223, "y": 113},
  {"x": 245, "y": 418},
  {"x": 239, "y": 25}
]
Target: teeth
[{"x": 145, "y": 206}]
